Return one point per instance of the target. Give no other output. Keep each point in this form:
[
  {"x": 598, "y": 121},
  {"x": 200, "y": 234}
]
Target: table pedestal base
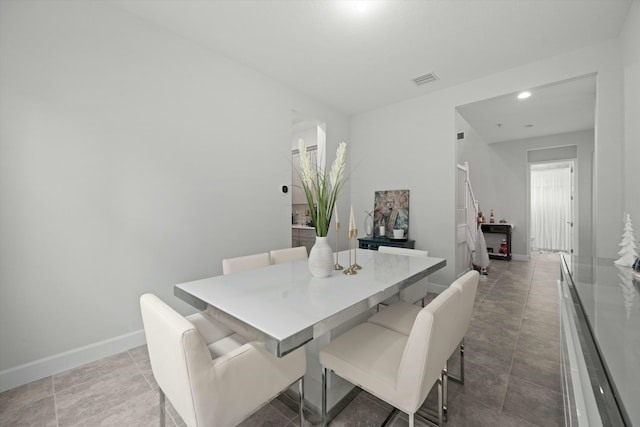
[{"x": 340, "y": 392}]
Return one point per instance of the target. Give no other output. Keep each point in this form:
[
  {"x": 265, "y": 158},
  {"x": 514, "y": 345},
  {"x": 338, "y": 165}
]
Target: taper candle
[
  {"x": 352, "y": 220},
  {"x": 337, "y": 265}
]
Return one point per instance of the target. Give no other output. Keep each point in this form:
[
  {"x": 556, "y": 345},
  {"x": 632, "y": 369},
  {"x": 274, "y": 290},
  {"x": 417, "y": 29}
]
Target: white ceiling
[
  {"x": 561, "y": 107},
  {"x": 356, "y": 61}
]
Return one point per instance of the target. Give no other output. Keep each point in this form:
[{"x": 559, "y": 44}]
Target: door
[{"x": 552, "y": 206}]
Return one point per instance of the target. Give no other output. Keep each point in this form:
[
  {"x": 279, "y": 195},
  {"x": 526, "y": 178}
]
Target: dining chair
[
  {"x": 396, "y": 368},
  {"x": 278, "y": 256},
  {"x": 399, "y": 317},
  {"x": 468, "y": 286},
  {"x": 247, "y": 262},
  {"x": 218, "y": 383},
  {"x": 412, "y": 292}
]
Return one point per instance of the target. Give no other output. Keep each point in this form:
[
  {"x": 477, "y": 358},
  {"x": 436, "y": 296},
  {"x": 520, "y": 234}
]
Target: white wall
[
  {"x": 411, "y": 145},
  {"x": 631, "y": 46},
  {"x": 499, "y": 174},
  {"x": 130, "y": 160}
]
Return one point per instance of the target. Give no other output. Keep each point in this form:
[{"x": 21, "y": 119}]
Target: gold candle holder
[
  {"x": 337, "y": 265},
  {"x": 350, "y": 270},
  {"x": 355, "y": 265}
]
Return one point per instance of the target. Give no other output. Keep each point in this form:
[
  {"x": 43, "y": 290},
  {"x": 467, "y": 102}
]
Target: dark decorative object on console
[{"x": 374, "y": 242}]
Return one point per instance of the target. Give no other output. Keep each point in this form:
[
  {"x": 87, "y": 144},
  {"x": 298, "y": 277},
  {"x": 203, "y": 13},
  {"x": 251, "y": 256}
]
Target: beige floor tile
[
  {"x": 538, "y": 405},
  {"x": 511, "y": 367},
  {"x": 91, "y": 398},
  {"x": 483, "y": 385},
  {"x": 119, "y": 364},
  {"x": 26, "y": 394},
  {"x": 34, "y": 413}
]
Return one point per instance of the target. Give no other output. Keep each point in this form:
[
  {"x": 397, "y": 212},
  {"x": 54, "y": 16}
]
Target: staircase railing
[{"x": 466, "y": 220}]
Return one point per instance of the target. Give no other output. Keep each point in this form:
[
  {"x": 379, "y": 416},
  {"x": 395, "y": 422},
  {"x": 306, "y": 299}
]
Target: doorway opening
[
  {"x": 313, "y": 133},
  {"x": 551, "y": 207}
]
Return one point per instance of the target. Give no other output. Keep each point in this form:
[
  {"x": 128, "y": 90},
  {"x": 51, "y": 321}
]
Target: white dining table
[{"x": 284, "y": 307}]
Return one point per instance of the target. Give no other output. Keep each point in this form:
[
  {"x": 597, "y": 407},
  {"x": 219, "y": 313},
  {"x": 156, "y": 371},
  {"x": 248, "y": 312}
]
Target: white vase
[
  {"x": 321, "y": 258},
  {"x": 368, "y": 224}
]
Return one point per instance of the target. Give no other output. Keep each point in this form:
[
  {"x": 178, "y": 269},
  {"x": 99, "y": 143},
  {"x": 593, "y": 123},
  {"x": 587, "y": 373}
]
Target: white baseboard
[
  {"x": 518, "y": 257},
  {"x": 58, "y": 363},
  {"x": 42, "y": 368}
]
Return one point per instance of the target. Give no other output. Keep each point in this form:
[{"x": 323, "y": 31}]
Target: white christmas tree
[
  {"x": 628, "y": 253},
  {"x": 480, "y": 256}
]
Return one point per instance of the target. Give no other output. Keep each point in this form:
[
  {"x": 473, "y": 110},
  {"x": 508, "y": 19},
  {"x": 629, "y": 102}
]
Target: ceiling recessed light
[
  {"x": 524, "y": 95},
  {"x": 359, "y": 8}
]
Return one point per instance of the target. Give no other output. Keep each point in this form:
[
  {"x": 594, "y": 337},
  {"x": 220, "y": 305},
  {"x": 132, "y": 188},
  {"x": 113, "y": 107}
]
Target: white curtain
[{"x": 551, "y": 208}]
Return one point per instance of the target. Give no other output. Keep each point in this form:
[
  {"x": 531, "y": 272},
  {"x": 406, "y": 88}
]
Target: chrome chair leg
[
  {"x": 462, "y": 361},
  {"x": 440, "y": 411},
  {"x": 460, "y": 379},
  {"x": 430, "y": 416},
  {"x": 445, "y": 389},
  {"x": 161, "y": 407},
  {"x": 391, "y": 417},
  {"x": 301, "y": 401},
  {"x": 324, "y": 396}
]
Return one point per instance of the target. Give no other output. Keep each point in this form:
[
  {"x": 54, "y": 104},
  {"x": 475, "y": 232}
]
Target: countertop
[{"x": 610, "y": 298}]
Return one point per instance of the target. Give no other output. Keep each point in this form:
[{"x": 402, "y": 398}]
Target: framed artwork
[{"x": 391, "y": 210}]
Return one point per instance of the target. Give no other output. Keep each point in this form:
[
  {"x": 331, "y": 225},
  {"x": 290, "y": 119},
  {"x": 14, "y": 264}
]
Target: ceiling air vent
[{"x": 425, "y": 78}]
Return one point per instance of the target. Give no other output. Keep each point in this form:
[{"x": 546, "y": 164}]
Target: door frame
[{"x": 574, "y": 200}]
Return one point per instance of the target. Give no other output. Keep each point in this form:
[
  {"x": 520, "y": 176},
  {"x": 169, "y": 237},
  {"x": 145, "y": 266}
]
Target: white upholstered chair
[
  {"x": 468, "y": 285},
  {"x": 279, "y": 256},
  {"x": 247, "y": 262},
  {"x": 415, "y": 292},
  {"x": 397, "y": 368},
  {"x": 213, "y": 383},
  {"x": 399, "y": 317}
]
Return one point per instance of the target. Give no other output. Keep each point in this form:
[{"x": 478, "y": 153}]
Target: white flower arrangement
[{"x": 314, "y": 182}]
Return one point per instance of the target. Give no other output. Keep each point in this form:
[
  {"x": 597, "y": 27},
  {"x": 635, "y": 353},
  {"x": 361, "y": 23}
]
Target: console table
[
  {"x": 373, "y": 243},
  {"x": 505, "y": 230}
]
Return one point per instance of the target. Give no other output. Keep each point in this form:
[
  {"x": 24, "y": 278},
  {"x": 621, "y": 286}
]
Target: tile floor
[{"x": 512, "y": 371}]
